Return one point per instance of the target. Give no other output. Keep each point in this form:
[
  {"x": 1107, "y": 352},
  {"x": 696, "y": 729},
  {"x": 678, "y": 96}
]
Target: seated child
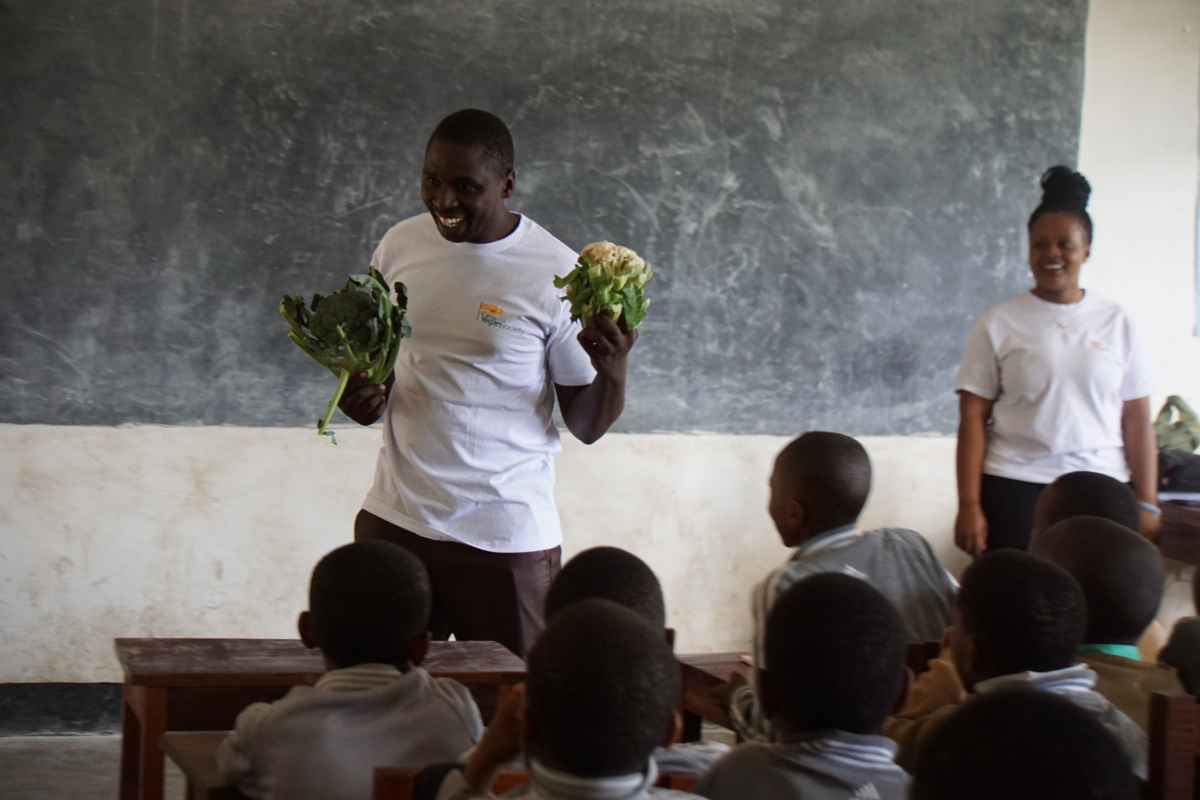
[
  {"x": 1086, "y": 494},
  {"x": 1021, "y": 744},
  {"x": 1020, "y": 621},
  {"x": 1122, "y": 576},
  {"x": 1072, "y": 495},
  {"x": 1183, "y": 649},
  {"x": 818, "y": 488},
  {"x": 601, "y": 690},
  {"x": 835, "y": 652},
  {"x": 1090, "y": 494},
  {"x": 368, "y": 609},
  {"x": 611, "y": 573}
]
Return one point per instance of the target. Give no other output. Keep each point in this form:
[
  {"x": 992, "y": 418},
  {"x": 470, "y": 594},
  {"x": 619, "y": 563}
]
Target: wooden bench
[
  {"x": 703, "y": 672},
  {"x": 202, "y": 685},
  {"x": 1174, "y": 746},
  {"x": 395, "y": 783}
]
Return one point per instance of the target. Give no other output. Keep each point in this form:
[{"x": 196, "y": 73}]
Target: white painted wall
[
  {"x": 154, "y": 531},
  {"x": 164, "y": 531}
]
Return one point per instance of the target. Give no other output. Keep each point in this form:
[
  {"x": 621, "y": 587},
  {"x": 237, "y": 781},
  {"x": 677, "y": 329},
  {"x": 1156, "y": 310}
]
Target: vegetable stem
[{"x": 343, "y": 380}]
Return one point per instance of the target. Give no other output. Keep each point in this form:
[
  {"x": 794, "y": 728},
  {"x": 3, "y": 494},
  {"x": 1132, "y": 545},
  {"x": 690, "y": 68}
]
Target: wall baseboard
[{"x": 32, "y": 709}]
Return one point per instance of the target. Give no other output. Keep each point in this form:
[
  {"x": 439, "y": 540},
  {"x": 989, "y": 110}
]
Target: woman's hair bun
[{"x": 1064, "y": 187}]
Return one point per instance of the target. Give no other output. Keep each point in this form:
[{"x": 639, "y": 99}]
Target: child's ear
[
  {"x": 308, "y": 633},
  {"x": 674, "y": 729},
  {"x": 419, "y": 649},
  {"x": 765, "y": 693}
]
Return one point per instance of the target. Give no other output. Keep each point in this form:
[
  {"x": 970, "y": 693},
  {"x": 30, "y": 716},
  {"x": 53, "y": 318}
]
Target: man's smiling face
[{"x": 465, "y": 192}]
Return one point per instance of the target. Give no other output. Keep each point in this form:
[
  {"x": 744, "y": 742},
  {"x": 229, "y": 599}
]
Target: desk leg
[
  {"x": 691, "y": 726},
  {"x": 131, "y": 741},
  {"x": 145, "y": 708}
]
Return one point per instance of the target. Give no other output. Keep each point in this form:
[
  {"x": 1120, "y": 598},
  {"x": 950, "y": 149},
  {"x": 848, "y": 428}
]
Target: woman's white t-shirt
[
  {"x": 1059, "y": 375},
  {"x": 468, "y": 438}
]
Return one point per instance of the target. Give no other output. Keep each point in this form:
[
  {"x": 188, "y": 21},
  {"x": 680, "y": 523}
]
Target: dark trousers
[
  {"x": 1008, "y": 506},
  {"x": 477, "y": 595}
]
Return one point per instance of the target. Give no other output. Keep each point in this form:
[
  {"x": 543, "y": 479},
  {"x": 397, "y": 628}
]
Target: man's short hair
[
  {"x": 830, "y": 472},
  {"x": 474, "y": 128},
  {"x": 1121, "y": 574},
  {"x": 1079, "y": 494},
  {"x": 612, "y": 574},
  {"x": 835, "y": 651},
  {"x": 368, "y": 602},
  {"x": 1026, "y": 613},
  {"x": 1022, "y": 743},
  {"x": 601, "y": 689}
]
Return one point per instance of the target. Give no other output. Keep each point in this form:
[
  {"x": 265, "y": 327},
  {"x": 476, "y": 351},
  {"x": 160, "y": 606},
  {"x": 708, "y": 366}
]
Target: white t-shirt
[
  {"x": 468, "y": 439},
  {"x": 1059, "y": 374}
]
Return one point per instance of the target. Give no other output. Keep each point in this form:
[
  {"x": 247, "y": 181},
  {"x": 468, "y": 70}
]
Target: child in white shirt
[{"x": 369, "y": 606}]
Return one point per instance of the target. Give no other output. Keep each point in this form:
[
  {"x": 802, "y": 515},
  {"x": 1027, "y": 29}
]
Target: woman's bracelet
[{"x": 1148, "y": 507}]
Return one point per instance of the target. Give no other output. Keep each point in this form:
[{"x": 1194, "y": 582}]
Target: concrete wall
[{"x": 153, "y": 531}]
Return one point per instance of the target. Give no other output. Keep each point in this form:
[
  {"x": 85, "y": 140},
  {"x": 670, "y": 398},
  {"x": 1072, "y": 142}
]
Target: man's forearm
[{"x": 595, "y": 408}]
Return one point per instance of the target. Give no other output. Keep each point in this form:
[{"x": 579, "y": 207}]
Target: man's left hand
[{"x": 607, "y": 344}]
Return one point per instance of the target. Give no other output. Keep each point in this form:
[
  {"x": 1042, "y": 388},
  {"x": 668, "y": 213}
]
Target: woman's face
[{"x": 1058, "y": 246}]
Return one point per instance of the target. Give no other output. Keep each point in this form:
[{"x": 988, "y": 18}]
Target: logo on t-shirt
[{"x": 490, "y": 315}]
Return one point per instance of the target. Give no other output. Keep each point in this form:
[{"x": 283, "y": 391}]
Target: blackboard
[{"x": 831, "y": 191}]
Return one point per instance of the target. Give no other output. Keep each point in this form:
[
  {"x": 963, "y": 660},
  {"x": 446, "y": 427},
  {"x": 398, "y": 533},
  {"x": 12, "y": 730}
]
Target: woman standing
[{"x": 1052, "y": 381}]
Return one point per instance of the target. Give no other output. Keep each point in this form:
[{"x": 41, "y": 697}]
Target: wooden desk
[
  {"x": 202, "y": 685},
  {"x": 701, "y": 672},
  {"x": 195, "y": 754}
]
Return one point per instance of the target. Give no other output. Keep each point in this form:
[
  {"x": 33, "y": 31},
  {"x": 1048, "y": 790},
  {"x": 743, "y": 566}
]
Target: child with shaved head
[
  {"x": 1086, "y": 494},
  {"x": 610, "y": 573},
  {"x": 1122, "y": 576},
  {"x": 368, "y": 613},
  {"x": 834, "y": 669},
  {"x": 819, "y": 486},
  {"x": 1019, "y": 622},
  {"x": 1019, "y": 744},
  {"x": 600, "y": 696}
]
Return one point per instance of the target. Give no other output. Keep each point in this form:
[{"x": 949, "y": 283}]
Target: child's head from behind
[
  {"x": 601, "y": 691},
  {"x": 1021, "y": 743},
  {"x": 1121, "y": 574},
  {"x": 1015, "y": 613},
  {"x": 368, "y": 603},
  {"x": 820, "y": 482},
  {"x": 612, "y": 574},
  {"x": 835, "y": 652},
  {"x": 1091, "y": 494}
]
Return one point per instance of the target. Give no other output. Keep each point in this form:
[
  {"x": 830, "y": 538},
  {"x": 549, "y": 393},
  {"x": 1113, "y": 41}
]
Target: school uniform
[
  {"x": 829, "y": 765},
  {"x": 897, "y": 562},
  {"x": 1127, "y": 681},
  {"x": 324, "y": 742},
  {"x": 551, "y": 784},
  {"x": 1075, "y": 683}
]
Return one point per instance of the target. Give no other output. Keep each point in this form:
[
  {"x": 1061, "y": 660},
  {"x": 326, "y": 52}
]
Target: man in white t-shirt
[{"x": 465, "y": 478}]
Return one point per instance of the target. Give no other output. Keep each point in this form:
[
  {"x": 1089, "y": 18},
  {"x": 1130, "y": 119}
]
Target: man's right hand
[{"x": 363, "y": 401}]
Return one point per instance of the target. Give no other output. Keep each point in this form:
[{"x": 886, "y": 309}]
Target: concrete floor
[
  {"x": 67, "y": 768},
  {"x": 88, "y": 767}
]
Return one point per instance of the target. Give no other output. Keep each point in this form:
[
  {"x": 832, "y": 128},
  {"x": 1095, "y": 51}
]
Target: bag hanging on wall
[{"x": 1182, "y": 433}]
